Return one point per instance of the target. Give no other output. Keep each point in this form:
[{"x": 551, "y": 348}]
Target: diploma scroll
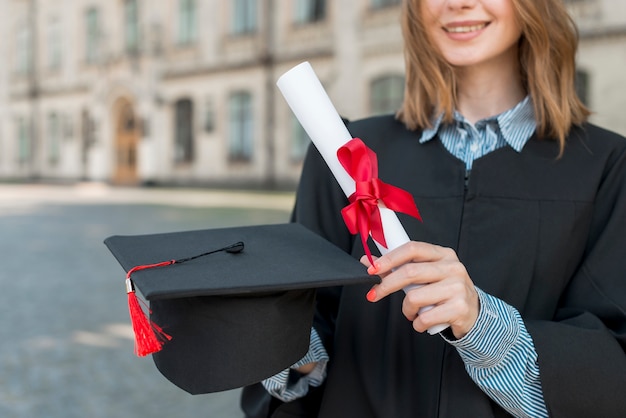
[{"x": 308, "y": 100}]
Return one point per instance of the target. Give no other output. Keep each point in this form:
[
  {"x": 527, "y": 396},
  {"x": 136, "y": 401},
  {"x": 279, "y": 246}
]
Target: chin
[{"x": 461, "y": 62}]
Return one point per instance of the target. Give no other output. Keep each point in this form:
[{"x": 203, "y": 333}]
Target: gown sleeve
[{"x": 581, "y": 353}]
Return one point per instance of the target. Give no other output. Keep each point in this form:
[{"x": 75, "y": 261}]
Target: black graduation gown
[{"x": 545, "y": 234}]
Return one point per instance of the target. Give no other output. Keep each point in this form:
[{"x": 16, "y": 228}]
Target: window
[
  {"x": 309, "y": 11},
  {"x": 379, "y": 4},
  {"x": 244, "y": 16},
  {"x": 88, "y": 132},
  {"x": 92, "y": 22},
  {"x": 23, "y": 50},
  {"x": 54, "y": 44},
  {"x": 23, "y": 141},
  {"x": 183, "y": 147},
  {"x": 209, "y": 116},
  {"x": 582, "y": 86},
  {"x": 54, "y": 139},
  {"x": 299, "y": 141},
  {"x": 186, "y": 21},
  {"x": 241, "y": 124},
  {"x": 68, "y": 126},
  {"x": 131, "y": 27},
  {"x": 386, "y": 94}
]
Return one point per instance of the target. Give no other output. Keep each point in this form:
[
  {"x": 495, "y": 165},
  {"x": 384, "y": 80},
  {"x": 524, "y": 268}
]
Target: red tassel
[
  {"x": 146, "y": 339},
  {"x": 149, "y": 337}
]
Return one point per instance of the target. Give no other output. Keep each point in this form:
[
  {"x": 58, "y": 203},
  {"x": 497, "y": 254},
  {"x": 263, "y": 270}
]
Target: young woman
[{"x": 522, "y": 249}]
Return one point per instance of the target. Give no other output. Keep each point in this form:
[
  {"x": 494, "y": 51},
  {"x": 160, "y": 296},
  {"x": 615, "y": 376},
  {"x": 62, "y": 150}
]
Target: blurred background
[
  {"x": 182, "y": 92},
  {"x": 66, "y": 343},
  {"x": 99, "y": 98}
]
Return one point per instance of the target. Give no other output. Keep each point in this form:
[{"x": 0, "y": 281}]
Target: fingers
[
  {"x": 418, "y": 264},
  {"x": 432, "y": 276},
  {"x": 413, "y": 251},
  {"x": 449, "y": 301}
]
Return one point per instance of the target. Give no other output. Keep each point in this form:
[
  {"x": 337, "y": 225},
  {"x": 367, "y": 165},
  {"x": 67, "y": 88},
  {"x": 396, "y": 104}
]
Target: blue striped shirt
[
  {"x": 500, "y": 357},
  {"x": 468, "y": 141},
  {"x": 498, "y": 352},
  {"x": 281, "y": 385}
]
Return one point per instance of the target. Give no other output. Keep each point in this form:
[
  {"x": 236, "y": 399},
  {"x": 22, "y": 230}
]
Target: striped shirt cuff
[
  {"x": 500, "y": 357},
  {"x": 492, "y": 336},
  {"x": 289, "y": 385}
]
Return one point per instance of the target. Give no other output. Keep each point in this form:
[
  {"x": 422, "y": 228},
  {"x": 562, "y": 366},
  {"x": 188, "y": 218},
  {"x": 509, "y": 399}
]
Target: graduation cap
[{"x": 231, "y": 306}]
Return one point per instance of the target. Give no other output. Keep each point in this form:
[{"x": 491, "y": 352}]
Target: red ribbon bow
[{"x": 362, "y": 215}]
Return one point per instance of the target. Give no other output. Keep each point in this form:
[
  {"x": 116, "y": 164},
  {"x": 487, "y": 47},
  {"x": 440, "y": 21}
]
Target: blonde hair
[{"x": 547, "y": 52}]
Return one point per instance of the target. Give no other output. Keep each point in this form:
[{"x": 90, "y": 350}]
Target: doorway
[{"x": 127, "y": 136}]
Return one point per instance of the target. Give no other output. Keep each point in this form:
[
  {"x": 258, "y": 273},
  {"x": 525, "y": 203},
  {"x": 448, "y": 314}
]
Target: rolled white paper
[{"x": 308, "y": 100}]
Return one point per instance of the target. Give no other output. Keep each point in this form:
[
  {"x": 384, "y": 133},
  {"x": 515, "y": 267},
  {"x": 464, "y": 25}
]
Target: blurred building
[
  {"x": 602, "y": 59},
  {"x": 183, "y": 91}
]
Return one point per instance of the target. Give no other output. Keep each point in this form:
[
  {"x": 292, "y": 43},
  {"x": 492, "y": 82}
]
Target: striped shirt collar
[{"x": 516, "y": 125}]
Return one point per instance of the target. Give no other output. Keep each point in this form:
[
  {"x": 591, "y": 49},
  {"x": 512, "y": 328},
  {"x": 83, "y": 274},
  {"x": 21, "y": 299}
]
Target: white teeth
[{"x": 466, "y": 29}]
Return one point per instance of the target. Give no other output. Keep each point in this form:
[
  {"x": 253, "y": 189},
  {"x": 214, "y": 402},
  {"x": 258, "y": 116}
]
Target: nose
[{"x": 461, "y": 4}]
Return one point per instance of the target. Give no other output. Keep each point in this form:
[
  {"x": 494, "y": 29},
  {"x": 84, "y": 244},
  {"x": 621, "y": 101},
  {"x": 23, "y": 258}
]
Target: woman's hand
[
  {"x": 307, "y": 368},
  {"x": 445, "y": 282}
]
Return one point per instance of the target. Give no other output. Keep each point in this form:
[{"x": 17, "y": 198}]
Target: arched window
[
  {"x": 183, "y": 135},
  {"x": 241, "y": 126},
  {"x": 386, "y": 94}
]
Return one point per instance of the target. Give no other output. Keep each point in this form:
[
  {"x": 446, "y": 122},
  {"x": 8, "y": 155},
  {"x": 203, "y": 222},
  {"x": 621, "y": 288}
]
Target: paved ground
[{"x": 65, "y": 339}]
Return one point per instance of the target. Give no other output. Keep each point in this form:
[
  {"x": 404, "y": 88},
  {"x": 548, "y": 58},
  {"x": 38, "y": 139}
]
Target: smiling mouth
[{"x": 465, "y": 29}]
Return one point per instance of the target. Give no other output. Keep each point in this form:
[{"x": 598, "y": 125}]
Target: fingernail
[
  {"x": 371, "y": 295},
  {"x": 373, "y": 268}
]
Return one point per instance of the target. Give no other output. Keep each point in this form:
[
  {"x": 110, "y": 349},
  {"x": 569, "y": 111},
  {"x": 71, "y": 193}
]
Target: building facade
[
  {"x": 183, "y": 91},
  {"x": 602, "y": 59}
]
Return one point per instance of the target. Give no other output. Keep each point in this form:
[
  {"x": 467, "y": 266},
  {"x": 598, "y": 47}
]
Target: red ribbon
[{"x": 362, "y": 215}]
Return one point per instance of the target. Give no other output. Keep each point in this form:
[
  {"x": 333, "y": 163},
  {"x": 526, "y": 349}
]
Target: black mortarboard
[{"x": 235, "y": 318}]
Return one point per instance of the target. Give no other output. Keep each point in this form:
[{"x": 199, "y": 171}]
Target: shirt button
[{"x": 474, "y": 147}]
